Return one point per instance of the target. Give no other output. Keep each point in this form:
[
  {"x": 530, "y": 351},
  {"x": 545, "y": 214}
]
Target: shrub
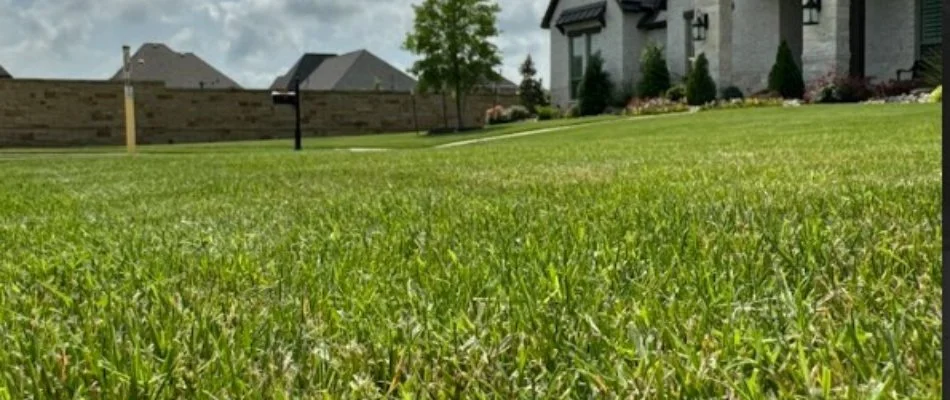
[
  {"x": 573, "y": 112},
  {"x": 595, "y": 87},
  {"x": 676, "y": 93},
  {"x": 851, "y": 89},
  {"x": 937, "y": 95},
  {"x": 785, "y": 77},
  {"x": 656, "y": 76},
  {"x": 839, "y": 89},
  {"x": 655, "y": 106},
  {"x": 518, "y": 113},
  {"x": 895, "y": 87},
  {"x": 497, "y": 115},
  {"x": 732, "y": 92},
  {"x": 700, "y": 88},
  {"x": 547, "y": 112}
]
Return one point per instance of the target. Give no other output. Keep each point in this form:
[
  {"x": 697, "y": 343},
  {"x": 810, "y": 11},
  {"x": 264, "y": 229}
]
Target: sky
[{"x": 252, "y": 41}]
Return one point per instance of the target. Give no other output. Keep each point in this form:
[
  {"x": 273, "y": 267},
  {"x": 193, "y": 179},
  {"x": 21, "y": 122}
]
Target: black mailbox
[
  {"x": 291, "y": 98},
  {"x": 285, "y": 98}
]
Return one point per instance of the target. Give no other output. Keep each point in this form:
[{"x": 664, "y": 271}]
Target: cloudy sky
[{"x": 252, "y": 41}]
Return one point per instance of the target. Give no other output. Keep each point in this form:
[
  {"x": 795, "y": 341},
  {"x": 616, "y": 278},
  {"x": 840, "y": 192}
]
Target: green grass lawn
[
  {"x": 792, "y": 252},
  {"x": 411, "y": 140}
]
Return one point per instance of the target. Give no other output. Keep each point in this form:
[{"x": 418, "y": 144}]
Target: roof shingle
[
  {"x": 583, "y": 13},
  {"x": 358, "y": 70},
  {"x": 176, "y": 70}
]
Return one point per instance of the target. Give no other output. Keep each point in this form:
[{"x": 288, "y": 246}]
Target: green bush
[
  {"x": 731, "y": 93},
  {"x": 573, "y": 112},
  {"x": 676, "y": 93},
  {"x": 595, "y": 87},
  {"x": 547, "y": 112},
  {"x": 656, "y": 76},
  {"x": 785, "y": 77},
  {"x": 937, "y": 95},
  {"x": 518, "y": 113},
  {"x": 700, "y": 88}
]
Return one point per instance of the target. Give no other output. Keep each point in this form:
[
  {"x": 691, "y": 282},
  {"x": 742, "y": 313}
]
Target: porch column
[
  {"x": 718, "y": 44},
  {"x": 826, "y": 47}
]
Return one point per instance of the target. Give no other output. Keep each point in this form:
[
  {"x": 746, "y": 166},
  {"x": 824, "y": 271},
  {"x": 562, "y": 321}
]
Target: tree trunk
[
  {"x": 445, "y": 111},
  {"x": 458, "y": 107}
]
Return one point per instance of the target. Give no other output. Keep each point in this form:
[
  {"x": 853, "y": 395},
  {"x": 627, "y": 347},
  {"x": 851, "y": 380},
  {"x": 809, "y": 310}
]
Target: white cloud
[{"x": 251, "y": 40}]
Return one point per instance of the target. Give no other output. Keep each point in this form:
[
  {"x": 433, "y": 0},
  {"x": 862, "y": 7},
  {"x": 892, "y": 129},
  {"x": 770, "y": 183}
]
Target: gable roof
[
  {"x": 4, "y": 74},
  {"x": 358, "y": 70},
  {"x": 625, "y": 5},
  {"x": 301, "y": 70},
  {"x": 177, "y": 70},
  {"x": 501, "y": 81}
]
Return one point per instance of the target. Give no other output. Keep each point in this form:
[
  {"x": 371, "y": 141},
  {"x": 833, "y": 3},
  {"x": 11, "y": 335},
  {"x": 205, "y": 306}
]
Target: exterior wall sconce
[
  {"x": 700, "y": 26},
  {"x": 811, "y": 9}
]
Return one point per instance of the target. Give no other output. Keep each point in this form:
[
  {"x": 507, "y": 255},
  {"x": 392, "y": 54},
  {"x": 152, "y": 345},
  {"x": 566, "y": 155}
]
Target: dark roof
[
  {"x": 501, "y": 81},
  {"x": 642, "y": 5},
  {"x": 655, "y": 19},
  {"x": 358, "y": 70},
  {"x": 177, "y": 70},
  {"x": 584, "y": 13},
  {"x": 302, "y": 69},
  {"x": 4, "y": 74},
  {"x": 625, "y": 5}
]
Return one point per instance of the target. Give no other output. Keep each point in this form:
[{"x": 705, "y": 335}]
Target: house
[
  {"x": 867, "y": 38},
  {"x": 301, "y": 70},
  {"x": 355, "y": 71},
  {"x": 158, "y": 62},
  {"x": 500, "y": 86},
  {"x": 4, "y": 74}
]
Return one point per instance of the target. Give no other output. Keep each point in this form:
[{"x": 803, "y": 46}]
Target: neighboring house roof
[
  {"x": 358, "y": 70},
  {"x": 501, "y": 82},
  {"x": 301, "y": 70},
  {"x": 4, "y": 74},
  {"x": 177, "y": 70},
  {"x": 626, "y": 5}
]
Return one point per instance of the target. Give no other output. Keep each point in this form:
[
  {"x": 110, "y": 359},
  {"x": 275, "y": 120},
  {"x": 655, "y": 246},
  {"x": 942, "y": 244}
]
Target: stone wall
[{"x": 79, "y": 113}]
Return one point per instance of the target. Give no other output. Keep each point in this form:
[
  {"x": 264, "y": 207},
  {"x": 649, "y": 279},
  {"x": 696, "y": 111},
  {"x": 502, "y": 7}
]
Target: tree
[
  {"x": 532, "y": 94},
  {"x": 451, "y": 39},
  {"x": 595, "y": 87},
  {"x": 785, "y": 78},
  {"x": 656, "y": 76},
  {"x": 700, "y": 88}
]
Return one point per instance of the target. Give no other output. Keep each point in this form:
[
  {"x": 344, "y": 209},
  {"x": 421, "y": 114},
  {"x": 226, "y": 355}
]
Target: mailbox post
[{"x": 291, "y": 99}]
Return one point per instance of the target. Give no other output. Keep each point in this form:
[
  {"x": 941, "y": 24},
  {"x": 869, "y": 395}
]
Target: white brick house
[{"x": 871, "y": 38}]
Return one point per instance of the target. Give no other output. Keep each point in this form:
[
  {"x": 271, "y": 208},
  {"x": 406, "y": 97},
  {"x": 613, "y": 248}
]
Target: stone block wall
[{"x": 83, "y": 113}]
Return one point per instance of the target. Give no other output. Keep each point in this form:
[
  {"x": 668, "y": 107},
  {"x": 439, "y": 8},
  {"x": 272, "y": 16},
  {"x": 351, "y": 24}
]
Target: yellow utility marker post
[{"x": 129, "y": 102}]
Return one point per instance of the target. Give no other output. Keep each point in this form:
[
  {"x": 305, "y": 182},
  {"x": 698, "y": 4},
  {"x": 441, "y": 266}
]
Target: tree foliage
[
  {"x": 532, "y": 94},
  {"x": 656, "y": 75},
  {"x": 700, "y": 87},
  {"x": 451, "y": 39},
  {"x": 786, "y": 78},
  {"x": 595, "y": 90}
]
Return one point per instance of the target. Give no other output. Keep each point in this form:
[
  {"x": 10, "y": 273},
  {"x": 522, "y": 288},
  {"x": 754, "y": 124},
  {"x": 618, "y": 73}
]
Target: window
[
  {"x": 931, "y": 27},
  {"x": 579, "y": 53}
]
